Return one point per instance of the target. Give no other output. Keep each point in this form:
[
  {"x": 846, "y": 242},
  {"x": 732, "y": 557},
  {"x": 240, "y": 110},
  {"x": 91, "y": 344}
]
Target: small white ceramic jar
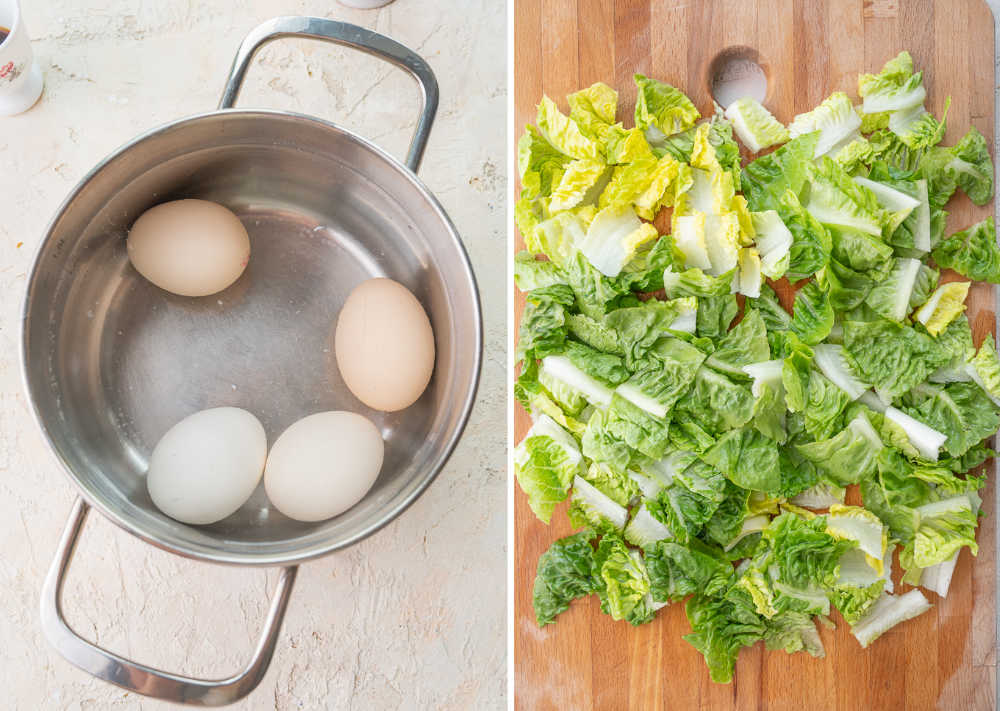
[{"x": 20, "y": 75}]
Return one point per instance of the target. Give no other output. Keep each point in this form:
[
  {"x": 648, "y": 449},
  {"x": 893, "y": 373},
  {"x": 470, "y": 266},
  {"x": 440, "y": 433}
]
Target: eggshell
[
  {"x": 189, "y": 247},
  {"x": 384, "y": 345},
  {"x": 207, "y": 465},
  {"x": 323, "y": 465}
]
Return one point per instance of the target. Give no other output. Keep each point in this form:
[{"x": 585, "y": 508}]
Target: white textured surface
[{"x": 411, "y": 618}]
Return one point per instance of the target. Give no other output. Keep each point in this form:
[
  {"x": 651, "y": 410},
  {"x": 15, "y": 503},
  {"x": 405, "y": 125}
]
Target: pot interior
[{"x": 112, "y": 362}]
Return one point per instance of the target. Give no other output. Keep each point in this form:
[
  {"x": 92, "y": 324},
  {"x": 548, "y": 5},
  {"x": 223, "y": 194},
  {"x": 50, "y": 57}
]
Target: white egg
[
  {"x": 323, "y": 465},
  {"x": 384, "y": 345},
  {"x": 189, "y": 247},
  {"x": 207, "y": 465}
]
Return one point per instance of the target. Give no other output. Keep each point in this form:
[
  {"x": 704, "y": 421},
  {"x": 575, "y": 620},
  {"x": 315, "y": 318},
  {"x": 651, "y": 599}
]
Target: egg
[
  {"x": 189, "y": 247},
  {"x": 207, "y": 465},
  {"x": 384, "y": 345},
  {"x": 323, "y": 465}
]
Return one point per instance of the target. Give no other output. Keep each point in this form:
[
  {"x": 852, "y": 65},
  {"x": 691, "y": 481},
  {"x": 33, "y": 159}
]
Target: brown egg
[
  {"x": 384, "y": 345},
  {"x": 189, "y": 247}
]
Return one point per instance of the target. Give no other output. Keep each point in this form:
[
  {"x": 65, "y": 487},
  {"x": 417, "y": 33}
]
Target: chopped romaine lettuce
[{"x": 755, "y": 125}]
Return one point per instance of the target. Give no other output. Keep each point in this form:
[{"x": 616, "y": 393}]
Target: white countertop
[{"x": 413, "y": 617}]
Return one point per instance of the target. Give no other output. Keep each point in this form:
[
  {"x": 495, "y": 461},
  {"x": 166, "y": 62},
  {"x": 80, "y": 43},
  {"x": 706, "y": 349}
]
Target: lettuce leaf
[
  {"x": 531, "y": 273},
  {"x": 765, "y": 180},
  {"x": 811, "y": 242},
  {"x": 677, "y": 570},
  {"x": 755, "y": 125},
  {"x": 812, "y": 313},
  {"x": 943, "y": 306},
  {"x": 835, "y": 199},
  {"x": 773, "y": 240},
  {"x": 835, "y": 119},
  {"x": 614, "y": 236},
  {"x": 973, "y": 252},
  {"x": 966, "y": 165},
  {"x": 539, "y": 164},
  {"x": 895, "y": 88},
  {"x": 543, "y": 324},
  {"x": 592, "y": 507},
  {"x": 661, "y": 110},
  {"x": 593, "y": 109},
  {"x": 623, "y": 581},
  {"x": 565, "y": 573},
  {"x": 720, "y": 628},
  {"x": 564, "y": 134},
  {"x": 846, "y": 457},
  {"x": 545, "y": 463},
  {"x": 962, "y": 411},
  {"x": 891, "y": 357},
  {"x": 887, "y": 612}
]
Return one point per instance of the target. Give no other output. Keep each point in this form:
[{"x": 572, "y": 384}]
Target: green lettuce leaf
[
  {"x": 545, "y": 463},
  {"x": 746, "y": 343},
  {"x": 848, "y": 456},
  {"x": 639, "y": 328},
  {"x": 623, "y": 581},
  {"x": 564, "y": 134},
  {"x": 721, "y": 627},
  {"x": 966, "y": 165},
  {"x": 755, "y": 125},
  {"x": 767, "y": 179},
  {"x": 543, "y": 324},
  {"x": 636, "y": 426},
  {"x": 803, "y": 552},
  {"x": 773, "y": 240},
  {"x": 531, "y": 273},
  {"x": 565, "y": 573},
  {"x": 835, "y": 199},
  {"x": 647, "y": 184},
  {"x": 891, "y": 298},
  {"x": 973, "y": 252},
  {"x": 811, "y": 242},
  {"x": 593, "y": 109},
  {"x": 748, "y": 459},
  {"x": 824, "y": 408},
  {"x": 891, "y": 357},
  {"x": 556, "y": 237},
  {"x": 539, "y": 164},
  {"x": 715, "y": 402},
  {"x": 945, "y": 527},
  {"x": 895, "y": 88},
  {"x": 986, "y": 368},
  {"x": 613, "y": 238},
  {"x": 887, "y": 612},
  {"x": 599, "y": 445},
  {"x": 683, "y": 511},
  {"x": 661, "y": 110},
  {"x": 962, "y": 411},
  {"x": 592, "y": 507},
  {"x": 853, "y": 602},
  {"x": 812, "y": 313},
  {"x": 835, "y": 119},
  {"x": 616, "y": 485},
  {"x": 677, "y": 570},
  {"x": 580, "y": 184},
  {"x": 943, "y": 306},
  {"x": 793, "y": 632}
]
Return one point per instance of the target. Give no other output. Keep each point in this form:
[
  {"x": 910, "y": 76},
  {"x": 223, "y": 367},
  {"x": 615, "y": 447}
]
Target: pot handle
[
  {"x": 346, "y": 35},
  {"x": 137, "y": 677}
]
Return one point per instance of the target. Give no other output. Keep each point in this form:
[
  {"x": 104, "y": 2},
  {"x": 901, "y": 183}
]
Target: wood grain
[{"x": 944, "y": 659}]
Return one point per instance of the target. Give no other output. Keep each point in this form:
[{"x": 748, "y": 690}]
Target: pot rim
[{"x": 305, "y": 553}]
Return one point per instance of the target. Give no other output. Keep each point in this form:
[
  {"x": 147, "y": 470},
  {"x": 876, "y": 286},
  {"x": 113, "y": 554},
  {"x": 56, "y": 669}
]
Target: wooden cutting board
[{"x": 945, "y": 658}]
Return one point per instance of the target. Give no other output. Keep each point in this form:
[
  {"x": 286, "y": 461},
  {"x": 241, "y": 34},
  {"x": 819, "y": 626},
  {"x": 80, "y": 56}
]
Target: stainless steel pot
[{"x": 110, "y": 362}]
